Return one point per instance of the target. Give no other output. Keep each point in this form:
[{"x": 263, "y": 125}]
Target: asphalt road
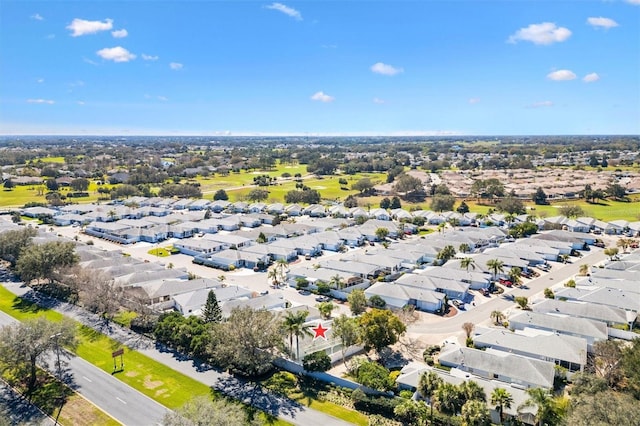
[
  {"x": 18, "y": 411},
  {"x": 119, "y": 400},
  {"x": 482, "y": 312}
]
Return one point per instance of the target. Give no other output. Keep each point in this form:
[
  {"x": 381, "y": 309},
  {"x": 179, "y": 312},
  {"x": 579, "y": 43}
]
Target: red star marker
[{"x": 320, "y": 331}]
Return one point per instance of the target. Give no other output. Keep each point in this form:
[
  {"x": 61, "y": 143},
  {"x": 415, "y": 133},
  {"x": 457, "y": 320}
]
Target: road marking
[
  {"x": 121, "y": 400},
  {"x": 87, "y": 379}
]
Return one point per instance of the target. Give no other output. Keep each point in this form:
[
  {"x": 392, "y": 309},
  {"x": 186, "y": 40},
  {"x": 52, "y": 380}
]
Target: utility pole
[{"x": 55, "y": 338}]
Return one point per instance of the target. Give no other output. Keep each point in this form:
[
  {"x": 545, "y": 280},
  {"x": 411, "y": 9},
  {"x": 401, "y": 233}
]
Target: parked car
[
  {"x": 304, "y": 292},
  {"x": 323, "y": 299},
  {"x": 485, "y": 292}
]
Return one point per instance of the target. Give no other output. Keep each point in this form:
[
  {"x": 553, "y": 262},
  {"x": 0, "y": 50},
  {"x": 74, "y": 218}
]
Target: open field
[{"x": 23, "y": 194}]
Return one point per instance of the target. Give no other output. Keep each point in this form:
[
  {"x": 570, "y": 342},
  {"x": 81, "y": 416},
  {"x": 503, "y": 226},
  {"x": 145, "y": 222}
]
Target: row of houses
[{"x": 551, "y": 340}]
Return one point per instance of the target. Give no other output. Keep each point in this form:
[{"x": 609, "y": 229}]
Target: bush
[
  {"x": 282, "y": 382},
  {"x": 374, "y": 376},
  {"x": 374, "y": 405},
  {"x": 430, "y": 350},
  {"x": 429, "y": 360},
  {"x": 406, "y": 394},
  {"x": 316, "y": 361}
]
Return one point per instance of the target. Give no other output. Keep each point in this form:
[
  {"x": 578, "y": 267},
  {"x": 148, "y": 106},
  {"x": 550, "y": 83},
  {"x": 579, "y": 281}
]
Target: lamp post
[{"x": 55, "y": 338}]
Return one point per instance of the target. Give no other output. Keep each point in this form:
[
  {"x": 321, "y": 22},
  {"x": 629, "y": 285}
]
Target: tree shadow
[
  {"x": 26, "y": 306},
  {"x": 257, "y": 397}
]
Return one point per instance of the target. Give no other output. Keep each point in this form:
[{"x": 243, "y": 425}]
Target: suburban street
[{"x": 119, "y": 400}]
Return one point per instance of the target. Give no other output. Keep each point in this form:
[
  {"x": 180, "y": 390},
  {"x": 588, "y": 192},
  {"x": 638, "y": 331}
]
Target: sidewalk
[{"x": 246, "y": 392}]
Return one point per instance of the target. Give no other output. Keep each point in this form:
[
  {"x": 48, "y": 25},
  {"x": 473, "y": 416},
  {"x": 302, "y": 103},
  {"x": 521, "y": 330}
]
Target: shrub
[
  {"x": 282, "y": 382},
  {"x": 316, "y": 361},
  {"x": 374, "y": 405},
  {"x": 429, "y": 360},
  {"x": 374, "y": 376}
]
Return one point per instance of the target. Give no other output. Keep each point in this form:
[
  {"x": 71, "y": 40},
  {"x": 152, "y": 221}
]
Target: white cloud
[
  {"x": 89, "y": 61},
  {"x": 41, "y": 101},
  {"x": 149, "y": 57},
  {"x": 544, "y": 33},
  {"x": 162, "y": 98},
  {"x": 561, "y": 75},
  {"x": 541, "y": 104},
  {"x": 120, "y": 33},
  {"x": 40, "y": 80},
  {"x": 286, "y": 10},
  {"x": 473, "y": 101},
  {"x": 634, "y": 2},
  {"x": 80, "y": 102},
  {"x": 176, "y": 65},
  {"x": 80, "y": 27},
  {"x": 322, "y": 97},
  {"x": 385, "y": 69},
  {"x": 602, "y": 22},
  {"x": 590, "y": 78},
  {"x": 116, "y": 54},
  {"x": 37, "y": 17},
  {"x": 378, "y": 101}
]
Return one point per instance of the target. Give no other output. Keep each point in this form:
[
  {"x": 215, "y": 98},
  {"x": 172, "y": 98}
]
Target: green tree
[
  {"x": 475, "y": 413},
  {"x": 410, "y": 412},
  {"x": 380, "y": 328},
  {"x": 247, "y": 342},
  {"x": 465, "y": 248},
  {"x": 325, "y": 309},
  {"x": 13, "y": 242},
  {"x": 347, "y": 330},
  {"x": 440, "y": 203},
  {"x": 220, "y": 194},
  {"x": 25, "y": 345},
  {"x": 463, "y": 208},
  {"x": 497, "y": 317},
  {"x": 364, "y": 186},
  {"x": 511, "y": 205},
  {"x": 604, "y": 408},
  {"x": 257, "y": 195},
  {"x": 631, "y": 367},
  {"x": 548, "y": 294},
  {"x": 522, "y": 301},
  {"x": 8, "y": 184},
  {"x": 316, "y": 361},
  {"x": 495, "y": 266},
  {"x": 612, "y": 252},
  {"x": 294, "y": 325},
  {"x": 427, "y": 385},
  {"x": 378, "y": 302},
  {"x": 80, "y": 184},
  {"x": 385, "y": 203},
  {"x": 472, "y": 391},
  {"x": 211, "y": 311},
  {"x": 571, "y": 211},
  {"x": 467, "y": 262},
  {"x": 375, "y": 376},
  {"x": 540, "y": 198},
  {"x": 382, "y": 233},
  {"x": 515, "y": 274},
  {"x": 203, "y": 411},
  {"x": 42, "y": 261},
  {"x": 395, "y": 203},
  {"x": 357, "y": 301},
  {"x": 446, "y": 253},
  {"x": 548, "y": 410},
  {"x": 410, "y": 187},
  {"x": 278, "y": 273},
  {"x": 448, "y": 398},
  {"x": 501, "y": 399}
]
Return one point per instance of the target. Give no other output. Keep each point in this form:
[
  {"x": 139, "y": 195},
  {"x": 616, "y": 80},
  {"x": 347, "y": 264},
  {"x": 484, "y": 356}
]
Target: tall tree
[
  {"x": 631, "y": 367},
  {"x": 25, "y": 345},
  {"x": 294, "y": 325},
  {"x": 540, "y": 198},
  {"x": 13, "y": 242},
  {"x": 495, "y": 266},
  {"x": 212, "y": 311},
  {"x": 548, "y": 411},
  {"x": 448, "y": 398},
  {"x": 41, "y": 261},
  {"x": 475, "y": 413},
  {"x": 357, "y": 301},
  {"x": 380, "y": 328},
  {"x": 467, "y": 262},
  {"x": 247, "y": 342},
  {"x": 427, "y": 385},
  {"x": 204, "y": 411},
  {"x": 348, "y": 331},
  {"x": 501, "y": 399}
]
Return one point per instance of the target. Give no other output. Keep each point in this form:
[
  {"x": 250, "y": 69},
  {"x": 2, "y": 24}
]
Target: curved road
[{"x": 482, "y": 312}]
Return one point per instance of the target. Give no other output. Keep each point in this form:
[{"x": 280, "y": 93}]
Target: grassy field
[
  {"x": 23, "y": 194},
  {"x": 159, "y": 382}
]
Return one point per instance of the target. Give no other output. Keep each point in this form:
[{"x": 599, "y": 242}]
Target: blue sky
[{"x": 397, "y": 67}]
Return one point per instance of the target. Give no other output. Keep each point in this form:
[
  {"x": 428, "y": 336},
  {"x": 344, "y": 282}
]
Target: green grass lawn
[
  {"x": 23, "y": 194},
  {"x": 160, "y": 252},
  {"x": 338, "y": 411},
  {"x": 156, "y": 380}
]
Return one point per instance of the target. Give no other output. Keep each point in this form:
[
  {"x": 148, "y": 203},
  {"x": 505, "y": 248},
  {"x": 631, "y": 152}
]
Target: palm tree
[
  {"x": 501, "y": 399},
  {"x": 428, "y": 384},
  {"x": 464, "y": 248},
  {"x": 547, "y": 408},
  {"x": 279, "y": 272},
  {"x": 475, "y": 413},
  {"x": 449, "y": 398},
  {"x": 497, "y": 316},
  {"x": 472, "y": 391},
  {"x": 514, "y": 275},
  {"x": 337, "y": 282},
  {"x": 467, "y": 262},
  {"x": 294, "y": 325},
  {"x": 495, "y": 266}
]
